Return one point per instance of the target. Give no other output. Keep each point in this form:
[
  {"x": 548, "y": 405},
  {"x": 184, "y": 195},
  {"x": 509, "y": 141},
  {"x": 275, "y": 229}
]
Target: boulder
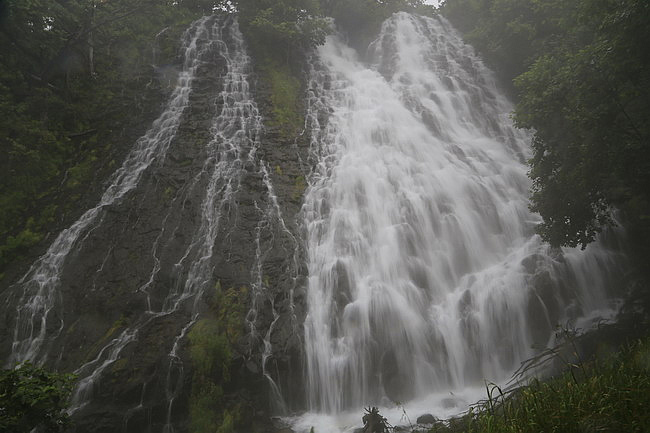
[{"x": 427, "y": 418}]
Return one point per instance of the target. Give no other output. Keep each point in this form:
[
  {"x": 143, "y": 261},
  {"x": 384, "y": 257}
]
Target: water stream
[
  {"x": 211, "y": 199},
  {"x": 425, "y": 275}
]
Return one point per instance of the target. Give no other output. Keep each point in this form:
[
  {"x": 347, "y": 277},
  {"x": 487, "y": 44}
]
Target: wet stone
[{"x": 427, "y": 418}]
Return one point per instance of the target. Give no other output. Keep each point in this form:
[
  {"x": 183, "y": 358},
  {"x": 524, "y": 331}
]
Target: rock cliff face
[{"x": 196, "y": 232}]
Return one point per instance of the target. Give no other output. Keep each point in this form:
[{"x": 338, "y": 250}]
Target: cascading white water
[
  {"x": 229, "y": 157},
  {"x": 40, "y": 286},
  {"x": 230, "y": 173},
  {"x": 199, "y": 40},
  {"x": 425, "y": 275}
]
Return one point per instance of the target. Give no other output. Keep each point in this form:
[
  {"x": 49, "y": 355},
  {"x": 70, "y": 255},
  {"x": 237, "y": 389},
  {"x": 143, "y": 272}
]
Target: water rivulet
[
  {"x": 425, "y": 275},
  {"x": 191, "y": 215}
]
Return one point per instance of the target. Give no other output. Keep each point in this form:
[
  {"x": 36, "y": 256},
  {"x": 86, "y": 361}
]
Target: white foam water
[{"x": 425, "y": 275}]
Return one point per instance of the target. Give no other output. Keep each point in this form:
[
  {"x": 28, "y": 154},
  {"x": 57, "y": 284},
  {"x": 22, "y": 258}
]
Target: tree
[
  {"x": 31, "y": 397},
  {"x": 588, "y": 103},
  {"x": 581, "y": 71},
  {"x": 283, "y": 26}
]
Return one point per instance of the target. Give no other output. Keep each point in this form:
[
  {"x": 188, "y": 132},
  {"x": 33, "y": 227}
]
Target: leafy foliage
[
  {"x": 31, "y": 397},
  {"x": 511, "y": 34},
  {"x": 286, "y": 99},
  {"x": 71, "y": 71},
  {"x": 209, "y": 350},
  {"x": 582, "y": 70},
  {"x": 610, "y": 395},
  {"x": 590, "y": 109},
  {"x": 283, "y": 26}
]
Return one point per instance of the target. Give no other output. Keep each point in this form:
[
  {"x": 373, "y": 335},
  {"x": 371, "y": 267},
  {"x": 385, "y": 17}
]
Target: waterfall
[
  {"x": 425, "y": 275},
  {"x": 40, "y": 286},
  {"x": 220, "y": 187}
]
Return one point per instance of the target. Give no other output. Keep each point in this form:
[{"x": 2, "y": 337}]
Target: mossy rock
[
  {"x": 211, "y": 353},
  {"x": 231, "y": 306},
  {"x": 286, "y": 98},
  {"x": 209, "y": 350},
  {"x": 299, "y": 187}
]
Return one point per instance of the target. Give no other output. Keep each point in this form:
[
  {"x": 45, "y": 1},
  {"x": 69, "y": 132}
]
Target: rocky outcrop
[{"x": 113, "y": 322}]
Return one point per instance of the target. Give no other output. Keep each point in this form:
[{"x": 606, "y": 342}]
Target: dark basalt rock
[{"x": 427, "y": 418}]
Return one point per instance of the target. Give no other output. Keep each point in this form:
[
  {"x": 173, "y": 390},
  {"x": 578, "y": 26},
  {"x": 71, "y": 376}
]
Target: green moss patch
[
  {"x": 286, "y": 98},
  {"x": 211, "y": 351}
]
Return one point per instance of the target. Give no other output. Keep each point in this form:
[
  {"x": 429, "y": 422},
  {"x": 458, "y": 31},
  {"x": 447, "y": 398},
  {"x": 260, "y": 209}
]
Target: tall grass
[{"x": 610, "y": 395}]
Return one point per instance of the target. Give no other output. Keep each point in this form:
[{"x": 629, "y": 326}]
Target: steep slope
[{"x": 188, "y": 238}]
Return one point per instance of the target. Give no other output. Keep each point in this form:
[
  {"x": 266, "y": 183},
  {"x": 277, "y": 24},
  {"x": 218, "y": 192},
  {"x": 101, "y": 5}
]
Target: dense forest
[{"x": 81, "y": 79}]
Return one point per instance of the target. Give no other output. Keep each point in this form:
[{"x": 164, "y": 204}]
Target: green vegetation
[
  {"x": 582, "y": 73},
  {"x": 211, "y": 350},
  {"x": 210, "y": 354},
  {"x": 286, "y": 98},
  {"x": 373, "y": 422},
  {"x": 283, "y": 28},
  {"x": 228, "y": 424},
  {"x": 31, "y": 397},
  {"x": 299, "y": 186},
  {"x": 280, "y": 33},
  {"x": 608, "y": 395},
  {"x": 74, "y": 75}
]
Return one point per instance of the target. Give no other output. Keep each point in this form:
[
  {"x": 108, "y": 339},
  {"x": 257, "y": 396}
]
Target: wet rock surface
[{"x": 115, "y": 287}]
